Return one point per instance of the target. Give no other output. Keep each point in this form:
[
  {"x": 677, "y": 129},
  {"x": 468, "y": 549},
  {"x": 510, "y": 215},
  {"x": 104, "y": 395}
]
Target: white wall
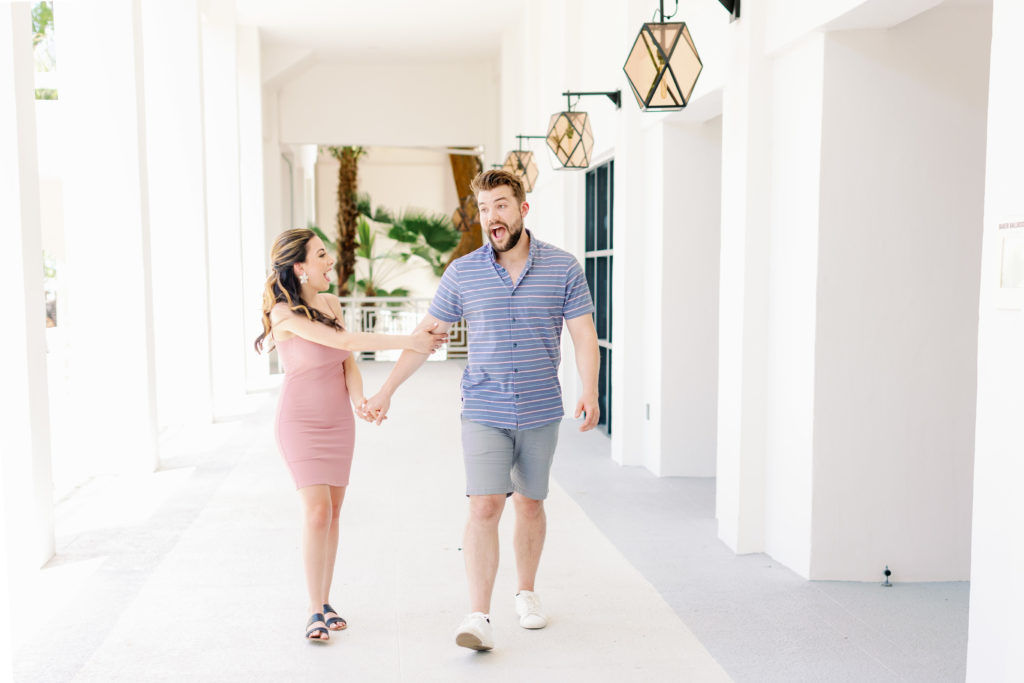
[
  {"x": 899, "y": 253},
  {"x": 997, "y": 551},
  {"x": 412, "y": 105}
]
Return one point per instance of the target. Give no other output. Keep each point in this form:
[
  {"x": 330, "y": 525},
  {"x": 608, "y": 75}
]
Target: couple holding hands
[{"x": 514, "y": 292}]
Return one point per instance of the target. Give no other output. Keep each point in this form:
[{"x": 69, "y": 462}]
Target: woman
[{"x": 315, "y": 426}]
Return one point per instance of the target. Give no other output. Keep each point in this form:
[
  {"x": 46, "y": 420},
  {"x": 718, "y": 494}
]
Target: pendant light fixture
[
  {"x": 521, "y": 162},
  {"x": 663, "y": 66},
  {"x": 569, "y": 134}
]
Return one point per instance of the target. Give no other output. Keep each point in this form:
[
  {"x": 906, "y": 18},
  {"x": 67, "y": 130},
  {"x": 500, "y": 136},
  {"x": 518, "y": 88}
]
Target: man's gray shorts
[{"x": 506, "y": 460}]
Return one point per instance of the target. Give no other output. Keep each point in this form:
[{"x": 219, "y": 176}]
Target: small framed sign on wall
[{"x": 1011, "y": 265}]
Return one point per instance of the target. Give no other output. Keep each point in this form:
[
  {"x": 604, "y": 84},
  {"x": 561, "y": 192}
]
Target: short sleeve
[
  {"x": 577, "y": 294},
  {"x": 447, "y": 303}
]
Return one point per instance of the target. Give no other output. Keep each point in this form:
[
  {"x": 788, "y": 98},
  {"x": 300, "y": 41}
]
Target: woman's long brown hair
[{"x": 282, "y": 285}]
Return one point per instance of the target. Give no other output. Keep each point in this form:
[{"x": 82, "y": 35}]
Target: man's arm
[
  {"x": 588, "y": 364},
  {"x": 408, "y": 363}
]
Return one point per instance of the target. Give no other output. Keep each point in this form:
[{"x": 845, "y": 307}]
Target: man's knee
[
  {"x": 486, "y": 509},
  {"x": 528, "y": 508}
]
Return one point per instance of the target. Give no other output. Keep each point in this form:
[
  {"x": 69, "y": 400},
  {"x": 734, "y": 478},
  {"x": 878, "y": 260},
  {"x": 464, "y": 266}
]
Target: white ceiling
[{"x": 383, "y": 31}]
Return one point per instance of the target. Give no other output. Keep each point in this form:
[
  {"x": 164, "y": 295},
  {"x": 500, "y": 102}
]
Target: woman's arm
[
  {"x": 283, "y": 319},
  {"x": 354, "y": 381}
]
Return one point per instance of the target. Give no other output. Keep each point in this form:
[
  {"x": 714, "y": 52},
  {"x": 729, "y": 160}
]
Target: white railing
[{"x": 397, "y": 315}]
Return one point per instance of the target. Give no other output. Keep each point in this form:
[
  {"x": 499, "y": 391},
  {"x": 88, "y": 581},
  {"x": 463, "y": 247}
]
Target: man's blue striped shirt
[{"x": 515, "y": 331}]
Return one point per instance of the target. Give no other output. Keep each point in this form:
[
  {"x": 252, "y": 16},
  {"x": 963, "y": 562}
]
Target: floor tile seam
[
  {"x": 858, "y": 644},
  {"x": 853, "y": 617}
]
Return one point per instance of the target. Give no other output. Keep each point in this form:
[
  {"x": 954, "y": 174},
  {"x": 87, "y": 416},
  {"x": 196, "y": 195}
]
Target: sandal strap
[
  {"x": 315, "y": 618},
  {"x": 333, "y": 620},
  {"x": 317, "y": 629}
]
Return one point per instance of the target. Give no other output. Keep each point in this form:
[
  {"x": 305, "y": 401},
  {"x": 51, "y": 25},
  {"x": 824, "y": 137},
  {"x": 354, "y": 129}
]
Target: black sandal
[
  {"x": 310, "y": 629},
  {"x": 334, "y": 620}
]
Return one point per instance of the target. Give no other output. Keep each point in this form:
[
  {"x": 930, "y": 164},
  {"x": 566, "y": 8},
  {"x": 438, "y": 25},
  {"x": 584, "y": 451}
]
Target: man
[{"x": 514, "y": 293}]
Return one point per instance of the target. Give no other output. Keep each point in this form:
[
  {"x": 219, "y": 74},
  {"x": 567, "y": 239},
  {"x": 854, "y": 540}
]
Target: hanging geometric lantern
[
  {"x": 663, "y": 66},
  {"x": 467, "y": 215},
  {"x": 569, "y": 134},
  {"x": 571, "y": 139},
  {"x": 522, "y": 165}
]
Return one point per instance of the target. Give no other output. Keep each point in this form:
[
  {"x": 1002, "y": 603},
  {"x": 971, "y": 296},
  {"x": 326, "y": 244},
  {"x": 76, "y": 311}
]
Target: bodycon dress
[{"x": 315, "y": 427}]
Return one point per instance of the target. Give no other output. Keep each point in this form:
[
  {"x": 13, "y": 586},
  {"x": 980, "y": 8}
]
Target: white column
[
  {"x": 107, "y": 234},
  {"x": 996, "y": 632},
  {"x": 688, "y": 253},
  {"x": 230, "y": 341},
  {"x": 255, "y": 259},
  {"x": 26, "y": 506},
  {"x": 796, "y": 119},
  {"x": 651, "y": 211},
  {"x": 308, "y": 157},
  {"x": 174, "y": 141},
  {"x": 743, "y": 289},
  {"x": 628, "y": 365}
]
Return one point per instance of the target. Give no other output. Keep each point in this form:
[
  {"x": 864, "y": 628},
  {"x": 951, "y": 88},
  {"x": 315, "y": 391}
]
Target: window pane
[
  {"x": 591, "y": 235},
  {"x": 608, "y": 298},
  {"x": 602, "y": 386},
  {"x": 602, "y": 297},
  {"x": 611, "y": 206},
  {"x": 602, "y": 207},
  {"x": 608, "y": 394},
  {"x": 590, "y": 278}
]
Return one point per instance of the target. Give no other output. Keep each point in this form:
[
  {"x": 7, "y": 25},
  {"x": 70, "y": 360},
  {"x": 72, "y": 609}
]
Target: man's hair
[{"x": 495, "y": 178}]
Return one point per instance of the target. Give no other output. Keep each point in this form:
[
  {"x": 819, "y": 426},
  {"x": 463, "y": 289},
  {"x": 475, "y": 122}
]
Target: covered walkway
[{"x": 194, "y": 573}]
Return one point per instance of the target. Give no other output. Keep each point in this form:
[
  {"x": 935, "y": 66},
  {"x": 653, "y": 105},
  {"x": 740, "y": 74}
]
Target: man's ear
[{"x": 524, "y": 209}]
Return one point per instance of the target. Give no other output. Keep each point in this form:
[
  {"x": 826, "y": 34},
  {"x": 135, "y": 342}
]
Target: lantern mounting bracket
[{"x": 613, "y": 95}]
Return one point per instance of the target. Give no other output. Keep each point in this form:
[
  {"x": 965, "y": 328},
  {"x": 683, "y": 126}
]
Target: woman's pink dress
[{"x": 315, "y": 426}]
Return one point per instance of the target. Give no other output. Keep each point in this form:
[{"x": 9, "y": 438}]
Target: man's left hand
[{"x": 587, "y": 405}]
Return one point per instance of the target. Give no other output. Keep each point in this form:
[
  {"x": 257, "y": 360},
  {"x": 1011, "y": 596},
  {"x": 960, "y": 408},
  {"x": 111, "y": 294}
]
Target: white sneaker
[
  {"x": 475, "y": 632},
  {"x": 531, "y": 614}
]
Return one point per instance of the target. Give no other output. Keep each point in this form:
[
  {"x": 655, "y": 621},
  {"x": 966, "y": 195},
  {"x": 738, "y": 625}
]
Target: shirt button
[
  {"x": 513, "y": 319},
  {"x": 515, "y": 345},
  {"x": 517, "y": 395},
  {"x": 515, "y": 370}
]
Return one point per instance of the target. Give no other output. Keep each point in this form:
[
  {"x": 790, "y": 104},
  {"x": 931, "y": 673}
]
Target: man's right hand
[
  {"x": 427, "y": 341},
  {"x": 378, "y": 405}
]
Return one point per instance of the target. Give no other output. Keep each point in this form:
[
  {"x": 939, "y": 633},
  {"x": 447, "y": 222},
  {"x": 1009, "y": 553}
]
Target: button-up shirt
[{"x": 515, "y": 331}]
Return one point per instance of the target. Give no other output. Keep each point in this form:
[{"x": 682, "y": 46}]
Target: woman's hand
[
  {"x": 427, "y": 341},
  {"x": 359, "y": 403}
]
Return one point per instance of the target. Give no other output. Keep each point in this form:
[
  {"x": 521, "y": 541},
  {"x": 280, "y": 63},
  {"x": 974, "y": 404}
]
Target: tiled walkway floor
[{"x": 193, "y": 574}]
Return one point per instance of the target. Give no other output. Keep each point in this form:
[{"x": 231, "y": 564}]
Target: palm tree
[{"x": 348, "y": 212}]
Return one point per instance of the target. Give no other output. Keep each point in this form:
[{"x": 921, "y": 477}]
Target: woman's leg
[
  {"x": 337, "y": 494},
  {"x": 316, "y": 503}
]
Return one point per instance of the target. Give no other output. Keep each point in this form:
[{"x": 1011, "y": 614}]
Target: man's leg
[
  {"x": 534, "y": 452},
  {"x": 480, "y": 547},
  {"x": 531, "y": 528}
]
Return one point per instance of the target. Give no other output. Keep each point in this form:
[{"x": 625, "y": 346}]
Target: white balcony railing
[{"x": 397, "y": 315}]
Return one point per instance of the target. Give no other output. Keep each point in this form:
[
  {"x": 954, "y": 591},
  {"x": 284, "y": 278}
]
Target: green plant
[{"x": 429, "y": 236}]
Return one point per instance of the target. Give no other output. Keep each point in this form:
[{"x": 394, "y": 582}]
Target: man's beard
[{"x": 515, "y": 232}]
